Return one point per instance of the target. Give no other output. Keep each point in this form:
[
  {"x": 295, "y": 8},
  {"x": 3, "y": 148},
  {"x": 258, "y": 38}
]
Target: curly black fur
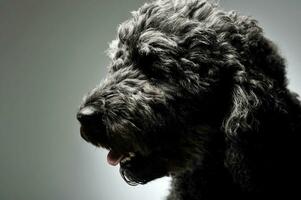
[{"x": 201, "y": 95}]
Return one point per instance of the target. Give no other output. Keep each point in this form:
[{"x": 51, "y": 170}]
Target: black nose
[{"x": 88, "y": 116}]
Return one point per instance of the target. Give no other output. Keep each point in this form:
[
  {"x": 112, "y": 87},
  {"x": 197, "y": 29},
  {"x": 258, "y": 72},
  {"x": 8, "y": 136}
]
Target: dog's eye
[
  {"x": 149, "y": 65},
  {"x": 144, "y": 62}
]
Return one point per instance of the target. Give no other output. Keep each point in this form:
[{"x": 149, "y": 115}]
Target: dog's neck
[
  {"x": 207, "y": 181},
  {"x": 215, "y": 178}
]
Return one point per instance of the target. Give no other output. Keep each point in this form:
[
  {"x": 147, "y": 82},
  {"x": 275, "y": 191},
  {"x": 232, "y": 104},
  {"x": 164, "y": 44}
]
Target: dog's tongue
[{"x": 114, "y": 158}]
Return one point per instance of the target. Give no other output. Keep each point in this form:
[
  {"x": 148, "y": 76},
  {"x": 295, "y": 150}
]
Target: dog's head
[{"x": 177, "y": 80}]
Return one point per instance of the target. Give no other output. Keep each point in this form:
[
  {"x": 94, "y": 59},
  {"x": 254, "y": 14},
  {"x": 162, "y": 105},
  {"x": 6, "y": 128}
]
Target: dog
[{"x": 198, "y": 94}]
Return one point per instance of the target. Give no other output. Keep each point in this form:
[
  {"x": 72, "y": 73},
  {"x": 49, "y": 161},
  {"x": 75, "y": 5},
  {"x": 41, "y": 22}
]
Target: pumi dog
[{"x": 198, "y": 94}]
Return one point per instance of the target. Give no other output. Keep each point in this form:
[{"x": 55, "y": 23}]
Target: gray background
[{"x": 51, "y": 53}]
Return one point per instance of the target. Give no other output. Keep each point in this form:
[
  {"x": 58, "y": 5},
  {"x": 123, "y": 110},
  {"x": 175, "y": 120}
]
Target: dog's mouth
[
  {"x": 115, "y": 155},
  {"x": 114, "y": 158},
  {"x": 137, "y": 167},
  {"x": 137, "y": 164}
]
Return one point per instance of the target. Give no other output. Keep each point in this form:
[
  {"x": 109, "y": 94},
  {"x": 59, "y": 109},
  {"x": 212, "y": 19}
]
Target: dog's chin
[{"x": 141, "y": 170}]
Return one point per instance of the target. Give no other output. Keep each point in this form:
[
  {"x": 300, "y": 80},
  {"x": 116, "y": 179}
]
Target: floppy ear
[
  {"x": 245, "y": 103},
  {"x": 241, "y": 125},
  {"x": 257, "y": 70}
]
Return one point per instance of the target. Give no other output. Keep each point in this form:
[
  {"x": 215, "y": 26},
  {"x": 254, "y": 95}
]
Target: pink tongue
[{"x": 114, "y": 158}]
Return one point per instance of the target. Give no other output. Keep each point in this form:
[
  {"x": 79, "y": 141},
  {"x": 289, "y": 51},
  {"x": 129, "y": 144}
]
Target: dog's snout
[
  {"x": 92, "y": 128},
  {"x": 88, "y": 115}
]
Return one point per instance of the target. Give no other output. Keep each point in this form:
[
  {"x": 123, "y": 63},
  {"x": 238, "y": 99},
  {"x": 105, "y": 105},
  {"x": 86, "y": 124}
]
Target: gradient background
[{"x": 51, "y": 54}]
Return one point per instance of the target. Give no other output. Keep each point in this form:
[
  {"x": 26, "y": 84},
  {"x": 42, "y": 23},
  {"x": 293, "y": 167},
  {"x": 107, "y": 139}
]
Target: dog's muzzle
[
  {"x": 93, "y": 130},
  {"x": 92, "y": 126}
]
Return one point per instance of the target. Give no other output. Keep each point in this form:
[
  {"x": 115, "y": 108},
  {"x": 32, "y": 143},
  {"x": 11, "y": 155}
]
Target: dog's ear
[
  {"x": 250, "y": 96},
  {"x": 245, "y": 103},
  {"x": 256, "y": 70}
]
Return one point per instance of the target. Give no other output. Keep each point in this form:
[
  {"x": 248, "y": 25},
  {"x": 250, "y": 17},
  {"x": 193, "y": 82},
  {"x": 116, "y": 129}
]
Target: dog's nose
[{"x": 88, "y": 116}]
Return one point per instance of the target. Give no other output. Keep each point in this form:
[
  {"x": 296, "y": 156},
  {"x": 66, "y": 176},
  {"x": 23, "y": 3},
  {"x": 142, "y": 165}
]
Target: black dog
[{"x": 198, "y": 94}]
